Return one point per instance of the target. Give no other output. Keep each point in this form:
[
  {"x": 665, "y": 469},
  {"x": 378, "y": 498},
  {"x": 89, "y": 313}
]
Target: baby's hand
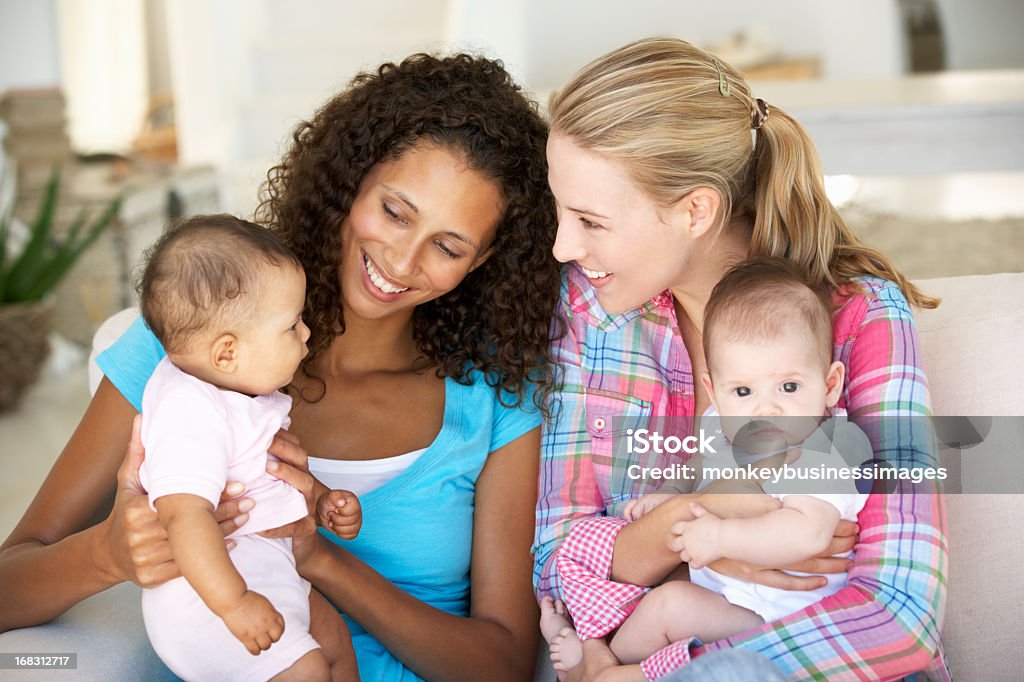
[
  {"x": 643, "y": 505},
  {"x": 339, "y": 512},
  {"x": 697, "y": 540},
  {"x": 255, "y": 622}
]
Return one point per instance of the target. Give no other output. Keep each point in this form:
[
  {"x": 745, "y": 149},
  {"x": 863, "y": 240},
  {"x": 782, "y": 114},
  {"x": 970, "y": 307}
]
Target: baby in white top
[
  {"x": 225, "y": 299},
  {"x": 774, "y": 390}
]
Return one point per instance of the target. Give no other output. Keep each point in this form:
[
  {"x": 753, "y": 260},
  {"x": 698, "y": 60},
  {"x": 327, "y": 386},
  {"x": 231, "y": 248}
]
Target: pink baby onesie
[{"x": 197, "y": 438}]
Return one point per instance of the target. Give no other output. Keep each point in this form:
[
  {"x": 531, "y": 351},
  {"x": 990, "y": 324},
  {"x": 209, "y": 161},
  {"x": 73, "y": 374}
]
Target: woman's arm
[
  {"x": 498, "y": 639},
  {"x": 643, "y": 555},
  {"x": 63, "y": 549},
  {"x": 805, "y": 524},
  {"x": 90, "y": 525},
  {"x": 568, "y": 490}
]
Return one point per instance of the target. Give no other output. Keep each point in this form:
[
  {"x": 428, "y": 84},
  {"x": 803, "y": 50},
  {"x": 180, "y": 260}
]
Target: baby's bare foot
[
  {"x": 566, "y": 651},
  {"x": 553, "y": 618}
]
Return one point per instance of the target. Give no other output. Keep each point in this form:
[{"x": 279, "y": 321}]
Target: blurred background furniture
[{"x": 153, "y": 193}]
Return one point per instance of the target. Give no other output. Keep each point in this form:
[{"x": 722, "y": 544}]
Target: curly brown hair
[{"x": 498, "y": 319}]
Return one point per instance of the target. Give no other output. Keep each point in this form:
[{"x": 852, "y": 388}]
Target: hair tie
[
  {"x": 760, "y": 114},
  {"x": 723, "y": 82}
]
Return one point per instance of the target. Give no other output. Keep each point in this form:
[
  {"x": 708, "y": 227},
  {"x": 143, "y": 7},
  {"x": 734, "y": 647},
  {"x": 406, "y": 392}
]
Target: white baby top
[{"x": 836, "y": 445}]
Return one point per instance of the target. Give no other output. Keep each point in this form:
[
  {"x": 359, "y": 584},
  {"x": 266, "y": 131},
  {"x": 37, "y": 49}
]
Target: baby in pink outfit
[{"x": 225, "y": 299}]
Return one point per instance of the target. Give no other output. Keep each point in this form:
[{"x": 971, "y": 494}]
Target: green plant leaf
[
  {"x": 47, "y": 259},
  {"x": 75, "y": 227},
  {"x": 31, "y": 261},
  {"x": 69, "y": 253}
]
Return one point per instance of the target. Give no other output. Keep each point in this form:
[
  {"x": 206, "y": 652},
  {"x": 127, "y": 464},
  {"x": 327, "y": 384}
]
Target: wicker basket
[{"x": 24, "y": 346}]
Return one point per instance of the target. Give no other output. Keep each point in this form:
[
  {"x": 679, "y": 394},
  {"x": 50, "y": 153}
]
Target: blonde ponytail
[
  {"x": 794, "y": 218},
  {"x": 678, "y": 119}
]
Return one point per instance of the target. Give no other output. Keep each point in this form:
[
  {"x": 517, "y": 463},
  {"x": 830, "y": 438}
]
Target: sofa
[
  {"x": 973, "y": 365},
  {"x": 970, "y": 355}
]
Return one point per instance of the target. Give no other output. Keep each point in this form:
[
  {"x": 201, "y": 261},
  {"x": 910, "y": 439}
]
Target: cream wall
[
  {"x": 860, "y": 39},
  {"x": 244, "y": 72},
  {"x": 29, "y": 53}
]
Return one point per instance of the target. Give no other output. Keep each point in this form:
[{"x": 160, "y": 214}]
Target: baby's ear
[
  {"x": 834, "y": 383},
  {"x": 705, "y": 378},
  {"x": 224, "y": 353}
]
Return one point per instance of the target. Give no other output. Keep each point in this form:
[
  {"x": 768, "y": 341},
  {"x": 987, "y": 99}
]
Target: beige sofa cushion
[{"x": 972, "y": 346}]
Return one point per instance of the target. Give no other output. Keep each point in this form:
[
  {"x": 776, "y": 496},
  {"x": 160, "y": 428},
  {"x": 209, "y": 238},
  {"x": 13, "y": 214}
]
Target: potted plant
[{"x": 27, "y": 279}]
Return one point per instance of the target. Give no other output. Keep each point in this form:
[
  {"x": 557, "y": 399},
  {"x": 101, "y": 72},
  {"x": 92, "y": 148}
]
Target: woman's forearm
[
  {"x": 433, "y": 643},
  {"x": 642, "y": 555},
  {"x": 69, "y": 544},
  {"x": 39, "y": 582}
]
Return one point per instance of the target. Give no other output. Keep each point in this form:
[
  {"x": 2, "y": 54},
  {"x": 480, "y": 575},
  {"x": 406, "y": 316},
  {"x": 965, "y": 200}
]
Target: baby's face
[
  {"x": 770, "y": 394},
  {"x": 274, "y": 343}
]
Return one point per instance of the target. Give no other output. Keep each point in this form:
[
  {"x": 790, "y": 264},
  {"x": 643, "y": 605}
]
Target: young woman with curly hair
[{"x": 417, "y": 202}]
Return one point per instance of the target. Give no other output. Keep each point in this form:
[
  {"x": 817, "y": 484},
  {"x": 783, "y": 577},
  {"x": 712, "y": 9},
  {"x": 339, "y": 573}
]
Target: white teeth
[
  {"x": 379, "y": 281},
  {"x": 594, "y": 274}
]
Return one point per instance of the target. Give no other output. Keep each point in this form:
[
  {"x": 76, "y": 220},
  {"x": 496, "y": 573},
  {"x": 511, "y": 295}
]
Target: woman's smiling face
[
  {"x": 628, "y": 247},
  {"x": 418, "y": 225}
]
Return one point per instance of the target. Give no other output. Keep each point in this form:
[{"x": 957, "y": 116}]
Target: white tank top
[{"x": 361, "y": 476}]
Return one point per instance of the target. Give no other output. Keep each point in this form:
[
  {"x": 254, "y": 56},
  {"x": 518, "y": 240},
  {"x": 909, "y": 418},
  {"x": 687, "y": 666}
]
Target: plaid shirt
[{"x": 622, "y": 371}]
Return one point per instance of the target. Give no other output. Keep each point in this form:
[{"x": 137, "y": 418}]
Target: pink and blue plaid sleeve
[
  {"x": 885, "y": 623},
  {"x": 568, "y": 490}
]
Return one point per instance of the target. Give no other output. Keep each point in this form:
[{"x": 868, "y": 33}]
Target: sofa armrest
[{"x": 971, "y": 349}]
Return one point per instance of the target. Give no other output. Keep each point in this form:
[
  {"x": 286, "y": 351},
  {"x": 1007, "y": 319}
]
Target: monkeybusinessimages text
[{"x": 644, "y": 441}]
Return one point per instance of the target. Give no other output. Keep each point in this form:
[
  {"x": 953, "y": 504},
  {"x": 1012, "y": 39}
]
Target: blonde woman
[{"x": 666, "y": 171}]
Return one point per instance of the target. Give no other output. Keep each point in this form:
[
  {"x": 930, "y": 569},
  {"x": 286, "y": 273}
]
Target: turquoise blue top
[{"x": 418, "y": 528}]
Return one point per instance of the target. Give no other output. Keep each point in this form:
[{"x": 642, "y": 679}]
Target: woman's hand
[
  {"x": 139, "y": 548},
  {"x": 293, "y": 469},
  {"x": 643, "y": 505},
  {"x": 843, "y": 540}
]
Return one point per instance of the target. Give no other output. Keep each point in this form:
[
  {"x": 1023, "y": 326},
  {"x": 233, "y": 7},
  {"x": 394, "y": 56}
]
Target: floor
[
  {"x": 947, "y": 225},
  {"x": 34, "y": 434}
]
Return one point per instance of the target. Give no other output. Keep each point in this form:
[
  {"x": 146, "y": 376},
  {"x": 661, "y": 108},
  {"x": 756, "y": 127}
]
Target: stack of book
[
  {"x": 101, "y": 282},
  {"x": 36, "y": 138}
]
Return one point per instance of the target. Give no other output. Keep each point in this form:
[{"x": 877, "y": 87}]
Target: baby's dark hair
[
  {"x": 760, "y": 299},
  {"x": 204, "y": 270}
]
